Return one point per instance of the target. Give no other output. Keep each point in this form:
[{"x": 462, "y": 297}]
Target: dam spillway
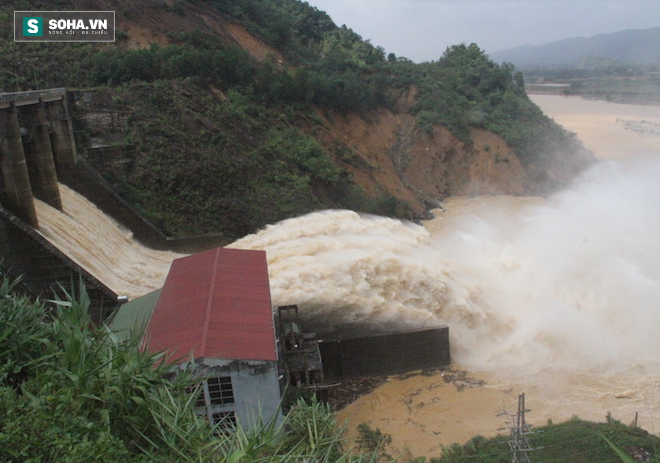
[
  {"x": 37, "y": 141},
  {"x": 45, "y": 271},
  {"x": 38, "y": 155}
]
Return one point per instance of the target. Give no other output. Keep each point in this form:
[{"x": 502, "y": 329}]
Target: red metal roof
[{"x": 215, "y": 304}]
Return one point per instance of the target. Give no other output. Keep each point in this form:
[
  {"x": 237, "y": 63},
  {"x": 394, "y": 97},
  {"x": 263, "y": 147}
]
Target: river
[
  {"x": 558, "y": 298},
  {"x": 553, "y": 297}
]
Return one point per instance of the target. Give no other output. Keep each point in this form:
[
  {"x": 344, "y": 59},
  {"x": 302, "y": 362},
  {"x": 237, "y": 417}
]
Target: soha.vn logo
[
  {"x": 64, "y": 26},
  {"x": 33, "y": 26}
]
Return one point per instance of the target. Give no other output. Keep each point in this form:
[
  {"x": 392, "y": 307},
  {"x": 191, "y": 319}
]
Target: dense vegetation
[
  {"x": 71, "y": 392},
  {"x": 221, "y": 142},
  {"x": 195, "y": 161}
]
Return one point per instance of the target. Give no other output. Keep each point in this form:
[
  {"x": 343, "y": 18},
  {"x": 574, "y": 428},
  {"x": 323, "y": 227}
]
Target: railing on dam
[{"x": 30, "y": 96}]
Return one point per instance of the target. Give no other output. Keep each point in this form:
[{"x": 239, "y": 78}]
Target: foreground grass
[{"x": 70, "y": 392}]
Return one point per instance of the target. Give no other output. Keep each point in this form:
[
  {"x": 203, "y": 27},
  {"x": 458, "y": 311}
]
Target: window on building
[
  {"x": 220, "y": 390},
  {"x": 226, "y": 421}
]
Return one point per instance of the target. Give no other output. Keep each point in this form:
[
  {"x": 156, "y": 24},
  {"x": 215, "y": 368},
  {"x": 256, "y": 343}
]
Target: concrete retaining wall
[{"x": 388, "y": 354}]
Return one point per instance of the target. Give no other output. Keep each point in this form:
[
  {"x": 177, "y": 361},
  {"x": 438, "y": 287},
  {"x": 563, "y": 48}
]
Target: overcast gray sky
[{"x": 422, "y": 29}]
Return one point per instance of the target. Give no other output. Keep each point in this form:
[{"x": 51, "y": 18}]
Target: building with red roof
[{"x": 215, "y": 310}]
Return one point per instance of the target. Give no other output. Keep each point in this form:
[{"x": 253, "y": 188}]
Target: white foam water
[
  {"x": 574, "y": 280},
  {"x": 559, "y": 296}
]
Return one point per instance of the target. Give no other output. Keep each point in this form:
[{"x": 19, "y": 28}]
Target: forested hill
[{"x": 241, "y": 113}]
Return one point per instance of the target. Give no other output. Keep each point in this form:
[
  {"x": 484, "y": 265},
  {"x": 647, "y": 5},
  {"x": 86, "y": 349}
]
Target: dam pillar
[
  {"x": 17, "y": 190},
  {"x": 61, "y": 135},
  {"x": 39, "y": 154}
]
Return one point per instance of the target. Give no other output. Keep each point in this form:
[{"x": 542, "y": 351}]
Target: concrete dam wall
[
  {"x": 35, "y": 134},
  {"x": 37, "y": 152},
  {"x": 36, "y": 141}
]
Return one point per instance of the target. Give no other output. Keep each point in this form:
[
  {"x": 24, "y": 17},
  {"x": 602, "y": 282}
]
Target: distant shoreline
[
  {"x": 613, "y": 98},
  {"x": 629, "y": 92}
]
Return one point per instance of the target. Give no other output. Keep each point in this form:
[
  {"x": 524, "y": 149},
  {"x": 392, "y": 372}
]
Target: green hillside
[{"x": 220, "y": 138}]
